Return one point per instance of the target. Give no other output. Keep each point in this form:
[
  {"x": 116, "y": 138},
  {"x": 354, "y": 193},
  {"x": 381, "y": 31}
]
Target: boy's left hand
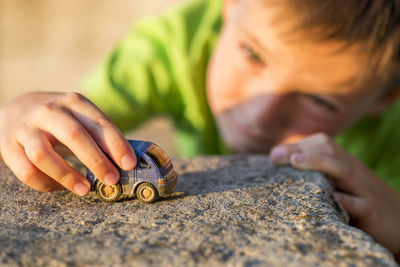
[{"x": 373, "y": 206}]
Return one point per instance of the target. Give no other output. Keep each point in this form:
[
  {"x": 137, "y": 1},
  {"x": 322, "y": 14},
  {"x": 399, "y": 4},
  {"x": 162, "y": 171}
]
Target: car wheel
[
  {"x": 146, "y": 193},
  {"x": 108, "y": 193}
]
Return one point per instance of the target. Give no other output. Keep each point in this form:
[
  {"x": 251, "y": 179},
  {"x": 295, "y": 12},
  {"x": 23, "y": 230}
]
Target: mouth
[{"x": 248, "y": 133}]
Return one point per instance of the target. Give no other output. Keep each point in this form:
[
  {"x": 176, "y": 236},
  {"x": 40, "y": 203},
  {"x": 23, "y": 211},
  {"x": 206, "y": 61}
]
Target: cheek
[
  {"x": 305, "y": 126},
  {"x": 227, "y": 79},
  {"x": 307, "y": 120},
  {"x": 335, "y": 123}
]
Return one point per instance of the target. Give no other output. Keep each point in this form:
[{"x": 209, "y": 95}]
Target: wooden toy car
[{"x": 153, "y": 176}]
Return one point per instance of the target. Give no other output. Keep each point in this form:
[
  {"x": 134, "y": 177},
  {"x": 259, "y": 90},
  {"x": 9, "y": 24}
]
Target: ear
[
  {"x": 228, "y": 8},
  {"x": 385, "y": 102}
]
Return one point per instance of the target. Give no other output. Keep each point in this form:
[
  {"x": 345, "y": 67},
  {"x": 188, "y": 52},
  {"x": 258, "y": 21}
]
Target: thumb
[{"x": 357, "y": 207}]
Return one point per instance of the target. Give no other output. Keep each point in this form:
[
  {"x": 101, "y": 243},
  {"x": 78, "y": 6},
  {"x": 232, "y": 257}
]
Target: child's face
[{"x": 267, "y": 83}]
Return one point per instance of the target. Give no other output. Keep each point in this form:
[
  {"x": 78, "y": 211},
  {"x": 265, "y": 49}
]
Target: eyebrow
[{"x": 350, "y": 82}]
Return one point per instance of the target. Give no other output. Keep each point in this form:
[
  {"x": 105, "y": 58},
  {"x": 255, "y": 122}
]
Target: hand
[
  {"x": 372, "y": 205},
  {"x": 33, "y": 124}
]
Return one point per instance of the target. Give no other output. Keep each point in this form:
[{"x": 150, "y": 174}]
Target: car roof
[{"x": 140, "y": 147}]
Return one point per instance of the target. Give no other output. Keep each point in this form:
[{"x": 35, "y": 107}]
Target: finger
[
  {"x": 357, "y": 207},
  {"x": 331, "y": 182},
  {"x": 103, "y": 131},
  {"x": 40, "y": 152},
  {"x": 339, "y": 170},
  {"x": 281, "y": 154},
  {"x": 319, "y": 143},
  {"x": 25, "y": 171},
  {"x": 72, "y": 134}
]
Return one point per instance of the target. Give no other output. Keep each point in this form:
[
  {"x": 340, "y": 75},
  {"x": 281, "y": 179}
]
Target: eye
[
  {"x": 251, "y": 54},
  {"x": 321, "y": 102}
]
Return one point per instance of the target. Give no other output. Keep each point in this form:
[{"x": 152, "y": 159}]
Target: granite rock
[{"x": 235, "y": 211}]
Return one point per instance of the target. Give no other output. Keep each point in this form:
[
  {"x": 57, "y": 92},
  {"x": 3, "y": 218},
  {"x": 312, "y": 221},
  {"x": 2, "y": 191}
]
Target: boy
[{"x": 284, "y": 77}]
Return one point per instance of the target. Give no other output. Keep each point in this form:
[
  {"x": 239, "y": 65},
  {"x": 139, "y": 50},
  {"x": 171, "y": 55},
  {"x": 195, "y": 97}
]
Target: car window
[
  {"x": 159, "y": 157},
  {"x": 143, "y": 164}
]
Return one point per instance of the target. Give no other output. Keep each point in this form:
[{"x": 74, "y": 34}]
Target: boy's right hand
[
  {"x": 373, "y": 206},
  {"x": 33, "y": 124}
]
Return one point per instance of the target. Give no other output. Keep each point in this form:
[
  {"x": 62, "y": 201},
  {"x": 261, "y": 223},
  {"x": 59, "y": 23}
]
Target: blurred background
[{"x": 51, "y": 45}]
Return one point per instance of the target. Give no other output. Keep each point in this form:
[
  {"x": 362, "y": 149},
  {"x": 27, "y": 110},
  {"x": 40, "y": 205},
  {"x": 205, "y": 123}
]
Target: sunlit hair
[{"x": 372, "y": 25}]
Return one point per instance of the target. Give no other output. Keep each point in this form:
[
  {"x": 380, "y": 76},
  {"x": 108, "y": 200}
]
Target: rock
[{"x": 235, "y": 211}]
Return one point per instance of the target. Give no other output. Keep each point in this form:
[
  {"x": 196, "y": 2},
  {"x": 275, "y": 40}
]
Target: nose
[{"x": 270, "y": 110}]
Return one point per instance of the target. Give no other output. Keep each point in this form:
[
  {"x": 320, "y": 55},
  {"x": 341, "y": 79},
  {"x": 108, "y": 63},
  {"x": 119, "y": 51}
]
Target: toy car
[{"x": 153, "y": 176}]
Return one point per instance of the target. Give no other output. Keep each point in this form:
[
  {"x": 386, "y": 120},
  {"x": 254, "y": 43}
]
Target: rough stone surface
[{"x": 236, "y": 211}]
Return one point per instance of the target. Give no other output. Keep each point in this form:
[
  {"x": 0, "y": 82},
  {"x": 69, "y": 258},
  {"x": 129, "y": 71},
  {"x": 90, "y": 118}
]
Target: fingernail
[
  {"x": 299, "y": 158},
  {"x": 111, "y": 178},
  {"x": 128, "y": 162},
  {"x": 278, "y": 153},
  {"x": 81, "y": 189}
]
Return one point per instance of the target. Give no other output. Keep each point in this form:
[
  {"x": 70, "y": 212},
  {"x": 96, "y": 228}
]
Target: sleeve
[
  {"x": 160, "y": 68},
  {"x": 136, "y": 80}
]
